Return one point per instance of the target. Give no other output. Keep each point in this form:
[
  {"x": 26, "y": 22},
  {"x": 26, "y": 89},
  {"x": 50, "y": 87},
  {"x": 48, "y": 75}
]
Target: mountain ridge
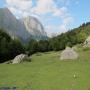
[{"x": 17, "y": 28}]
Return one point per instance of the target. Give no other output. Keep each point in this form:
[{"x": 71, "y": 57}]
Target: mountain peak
[
  {"x": 34, "y": 26},
  {"x": 28, "y": 27}
]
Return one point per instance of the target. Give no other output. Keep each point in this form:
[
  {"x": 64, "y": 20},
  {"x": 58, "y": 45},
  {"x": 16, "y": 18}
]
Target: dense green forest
[
  {"x": 9, "y": 48},
  {"x": 71, "y": 38}
]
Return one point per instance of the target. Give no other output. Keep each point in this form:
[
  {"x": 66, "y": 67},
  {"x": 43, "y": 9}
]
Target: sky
[{"x": 57, "y": 16}]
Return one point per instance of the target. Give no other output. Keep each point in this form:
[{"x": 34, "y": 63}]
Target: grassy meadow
[{"x": 48, "y": 72}]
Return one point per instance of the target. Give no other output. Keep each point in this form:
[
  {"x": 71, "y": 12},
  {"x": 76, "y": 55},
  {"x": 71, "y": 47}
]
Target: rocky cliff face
[
  {"x": 34, "y": 27},
  {"x": 24, "y": 29}
]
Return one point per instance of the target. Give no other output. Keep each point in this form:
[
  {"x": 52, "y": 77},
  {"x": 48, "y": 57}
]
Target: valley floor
[{"x": 48, "y": 72}]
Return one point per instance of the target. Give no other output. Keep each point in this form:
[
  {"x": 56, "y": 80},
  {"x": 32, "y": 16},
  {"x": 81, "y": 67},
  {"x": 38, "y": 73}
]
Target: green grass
[{"x": 48, "y": 72}]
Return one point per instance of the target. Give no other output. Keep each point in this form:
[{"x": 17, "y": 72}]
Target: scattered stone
[
  {"x": 20, "y": 58},
  {"x": 69, "y": 53}
]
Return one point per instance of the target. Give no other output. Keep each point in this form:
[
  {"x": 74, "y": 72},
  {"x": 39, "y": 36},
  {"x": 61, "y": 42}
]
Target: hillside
[
  {"x": 71, "y": 38},
  {"x": 48, "y": 72}
]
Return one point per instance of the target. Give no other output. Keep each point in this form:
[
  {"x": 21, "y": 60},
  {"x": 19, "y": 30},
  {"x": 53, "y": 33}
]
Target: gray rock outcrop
[
  {"x": 69, "y": 53},
  {"x": 19, "y": 58},
  {"x": 34, "y": 27}
]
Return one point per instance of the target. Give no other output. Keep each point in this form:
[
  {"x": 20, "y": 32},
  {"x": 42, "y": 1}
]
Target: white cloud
[
  {"x": 19, "y": 7},
  {"x": 67, "y": 20},
  {"x": 20, "y": 4},
  {"x": 53, "y": 30},
  {"x": 60, "y": 12},
  {"x": 42, "y": 7},
  {"x": 68, "y": 2},
  {"x": 49, "y": 6}
]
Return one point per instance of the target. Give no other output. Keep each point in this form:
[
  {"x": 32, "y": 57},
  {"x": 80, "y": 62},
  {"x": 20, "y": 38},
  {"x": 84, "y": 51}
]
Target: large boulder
[
  {"x": 20, "y": 58},
  {"x": 69, "y": 53}
]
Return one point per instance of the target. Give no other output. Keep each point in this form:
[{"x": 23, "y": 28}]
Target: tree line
[{"x": 9, "y": 48}]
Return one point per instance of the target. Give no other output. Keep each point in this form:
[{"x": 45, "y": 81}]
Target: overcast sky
[{"x": 57, "y": 16}]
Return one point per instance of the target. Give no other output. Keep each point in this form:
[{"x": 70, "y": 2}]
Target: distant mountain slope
[
  {"x": 71, "y": 38},
  {"x": 34, "y": 27},
  {"x": 9, "y": 23},
  {"x": 81, "y": 33},
  {"x": 17, "y": 28}
]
